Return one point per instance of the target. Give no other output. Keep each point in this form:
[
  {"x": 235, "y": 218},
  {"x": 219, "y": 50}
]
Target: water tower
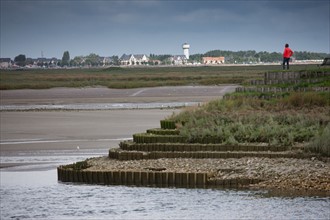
[{"x": 185, "y": 48}]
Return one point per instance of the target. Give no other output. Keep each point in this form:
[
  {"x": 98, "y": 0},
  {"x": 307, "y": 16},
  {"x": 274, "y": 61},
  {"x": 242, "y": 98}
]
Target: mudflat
[
  {"x": 106, "y": 95},
  {"x": 68, "y": 130},
  {"x": 72, "y": 132}
]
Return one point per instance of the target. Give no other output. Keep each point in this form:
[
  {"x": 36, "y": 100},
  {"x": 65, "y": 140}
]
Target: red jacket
[{"x": 287, "y": 52}]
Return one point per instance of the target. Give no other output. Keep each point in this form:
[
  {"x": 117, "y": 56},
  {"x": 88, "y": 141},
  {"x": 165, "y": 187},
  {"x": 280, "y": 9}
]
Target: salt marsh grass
[{"x": 126, "y": 77}]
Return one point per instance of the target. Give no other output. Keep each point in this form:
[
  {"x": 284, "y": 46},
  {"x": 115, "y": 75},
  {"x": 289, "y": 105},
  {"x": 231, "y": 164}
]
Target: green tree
[
  {"x": 93, "y": 59},
  {"x": 66, "y": 58},
  {"x": 115, "y": 60},
  {"x": 20, "y": 60},
  {"x": 196, "y": 57},
  {"x": 77, "y": 61}
]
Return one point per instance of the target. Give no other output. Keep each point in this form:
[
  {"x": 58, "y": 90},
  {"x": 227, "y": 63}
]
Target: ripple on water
[{"x": 49, "y": 199}]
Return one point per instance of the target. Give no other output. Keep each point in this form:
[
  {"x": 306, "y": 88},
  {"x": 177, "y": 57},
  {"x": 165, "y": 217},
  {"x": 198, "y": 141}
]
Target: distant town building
[
  {"x": 48, "y": 62},
  {"x": 178, "y": 59},
  {"x": 137, "y": 59},
  {"x": 213, "y": 60},
  {"x": 155, "y": 62},
  {"x": 105, "y": 61},
  {"x": 5, "y": 63}
]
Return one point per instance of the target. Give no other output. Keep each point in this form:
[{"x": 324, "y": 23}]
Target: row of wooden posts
[
  {"x": 294, "y": 75},
  {"x": 149, "y": 178},
  {"x": 271, "y": 78},
  {"x": 179, "y": 147},
  {"x": 136, "y": 155},
  {"x": 284, "y": 81},
  {"x": 278, "y": 89}
]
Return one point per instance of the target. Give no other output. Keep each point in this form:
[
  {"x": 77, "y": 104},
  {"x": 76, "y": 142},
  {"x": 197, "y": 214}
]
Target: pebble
[{"x": 277, "y": 173}]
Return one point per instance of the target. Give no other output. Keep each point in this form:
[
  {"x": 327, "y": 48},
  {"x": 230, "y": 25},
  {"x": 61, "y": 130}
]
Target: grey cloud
[{"x": 205, "y": 16}]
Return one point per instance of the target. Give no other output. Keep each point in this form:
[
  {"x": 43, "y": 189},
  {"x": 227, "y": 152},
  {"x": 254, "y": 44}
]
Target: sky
[{"x": 47, "y": 28}]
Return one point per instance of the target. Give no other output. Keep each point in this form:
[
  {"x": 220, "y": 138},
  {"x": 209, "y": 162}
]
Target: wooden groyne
[
  {"x": 145, "y": 178},
  {"x": 288, "y": 77},
  {"x": 279, "y": 84},
  {"x": 151, "y": 149},
  {"x": 136, "y": 178}
]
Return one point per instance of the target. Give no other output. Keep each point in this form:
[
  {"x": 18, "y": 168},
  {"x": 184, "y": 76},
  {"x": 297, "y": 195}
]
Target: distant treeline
[
  {"x": 249, "y": 56},
  {"x": 253, "y": 56}
]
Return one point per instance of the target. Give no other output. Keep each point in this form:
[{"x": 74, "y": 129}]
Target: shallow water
[{"x": 32, "y": 193}]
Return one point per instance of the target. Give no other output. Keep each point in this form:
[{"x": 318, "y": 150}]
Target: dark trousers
[{"x": 286, "y": 61}]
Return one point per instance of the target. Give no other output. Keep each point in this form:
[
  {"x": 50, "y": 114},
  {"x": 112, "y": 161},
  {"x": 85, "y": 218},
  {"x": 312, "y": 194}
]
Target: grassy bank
[
  {"x": 117, "y": 77},
  {"x": 283, "y": 122},
  {"x": 288, "y": 119}
]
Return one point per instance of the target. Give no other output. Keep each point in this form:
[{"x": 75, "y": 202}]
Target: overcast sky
[{"x": 107, "y": 28}]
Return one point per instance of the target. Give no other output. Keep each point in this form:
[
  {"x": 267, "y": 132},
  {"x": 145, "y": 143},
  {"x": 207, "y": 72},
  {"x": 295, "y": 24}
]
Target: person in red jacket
[{"x": 286, "y": 56}]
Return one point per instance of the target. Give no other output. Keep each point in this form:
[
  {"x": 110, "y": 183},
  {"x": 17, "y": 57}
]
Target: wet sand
[
  {"x": 65, "y": 130},
  {"x": 41, "y": 132}
]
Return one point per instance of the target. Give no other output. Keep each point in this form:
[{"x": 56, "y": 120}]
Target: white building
[
  {"x": 178, "y": 59},
  {"x": 137, "y": 59},
  {"x": 5, "y": 63},
  {"x": 185, "y": 48}
]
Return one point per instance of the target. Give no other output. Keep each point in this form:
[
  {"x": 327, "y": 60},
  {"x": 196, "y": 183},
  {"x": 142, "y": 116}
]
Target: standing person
[{"x": 286, "y": 56}]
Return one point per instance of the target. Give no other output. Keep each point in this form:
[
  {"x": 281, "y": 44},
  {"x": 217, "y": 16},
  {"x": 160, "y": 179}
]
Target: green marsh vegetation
[
  {"x": 248, "y": 120},
  {"x": 81, "y": 165},
  {"x": 288, "y": 119},
  {"x": 136, "y": 77}
]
